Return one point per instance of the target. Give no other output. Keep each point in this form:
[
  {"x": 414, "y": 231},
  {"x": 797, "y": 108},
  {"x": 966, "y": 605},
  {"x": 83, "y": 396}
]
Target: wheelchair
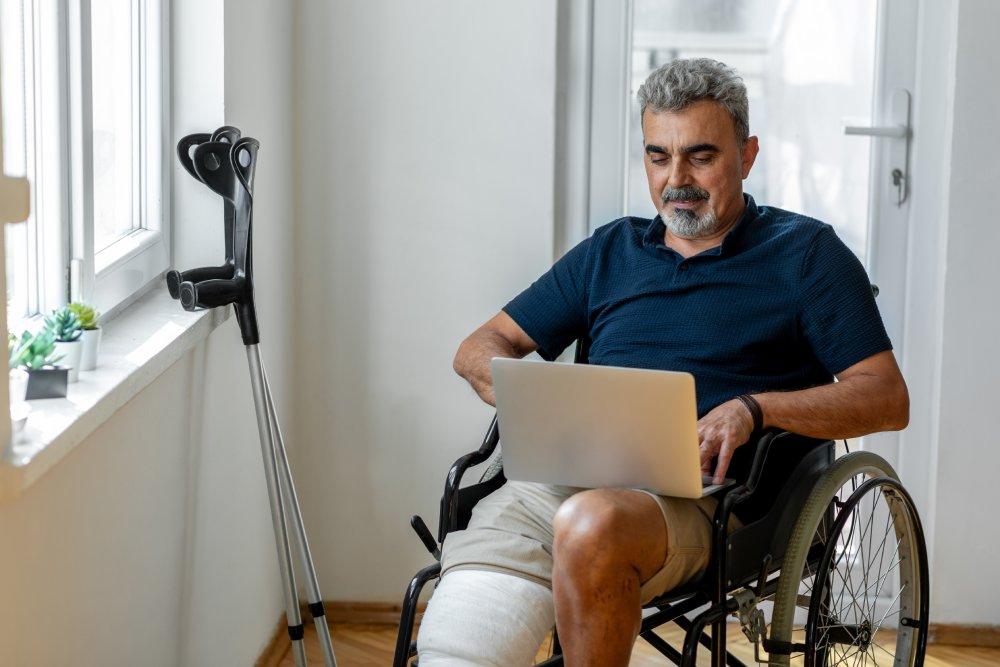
[{"x": 833, "y": 545}]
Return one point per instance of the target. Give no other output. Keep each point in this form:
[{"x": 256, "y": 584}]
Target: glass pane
[
  {"x": 803, "y": 81},
  {"x": 16, "y": 125},
  {"x": 115, "y": 132}
]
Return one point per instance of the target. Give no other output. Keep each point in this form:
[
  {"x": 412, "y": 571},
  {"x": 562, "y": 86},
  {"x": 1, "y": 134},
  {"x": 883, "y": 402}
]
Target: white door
[{"x": 828, "y": 83}]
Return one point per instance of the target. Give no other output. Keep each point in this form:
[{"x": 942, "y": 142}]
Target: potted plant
[
  {"x": 36, "y": 353},
  {"x": 65, "y": 328},
  {"x": 90, "y": 323},
  {"x": 19, "y": 408},
  {"x": 18, "y": 376}
]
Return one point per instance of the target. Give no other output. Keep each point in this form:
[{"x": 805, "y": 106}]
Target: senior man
[{"x": 763, "y": 306}]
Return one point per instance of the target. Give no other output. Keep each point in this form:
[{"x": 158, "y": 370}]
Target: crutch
[{"x": 226, "y": 163}]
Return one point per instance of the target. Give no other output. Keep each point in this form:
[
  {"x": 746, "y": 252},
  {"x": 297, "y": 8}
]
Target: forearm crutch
[{"x": 226, "y": 162}]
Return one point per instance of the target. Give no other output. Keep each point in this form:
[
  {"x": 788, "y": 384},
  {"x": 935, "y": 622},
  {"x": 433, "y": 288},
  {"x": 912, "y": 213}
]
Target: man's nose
[{"x": 679, "y": 174}]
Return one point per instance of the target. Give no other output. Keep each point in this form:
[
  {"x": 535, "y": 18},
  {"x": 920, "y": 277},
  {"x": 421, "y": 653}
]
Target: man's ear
[{"x": 750, "y": 150}]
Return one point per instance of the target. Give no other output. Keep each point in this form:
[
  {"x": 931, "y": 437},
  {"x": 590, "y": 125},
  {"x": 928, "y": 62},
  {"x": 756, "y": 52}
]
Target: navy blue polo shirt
[{"x": 781, "y": 304}]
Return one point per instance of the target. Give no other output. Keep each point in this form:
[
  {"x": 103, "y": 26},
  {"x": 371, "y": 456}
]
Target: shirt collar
[{"x": 731, "y": 241}]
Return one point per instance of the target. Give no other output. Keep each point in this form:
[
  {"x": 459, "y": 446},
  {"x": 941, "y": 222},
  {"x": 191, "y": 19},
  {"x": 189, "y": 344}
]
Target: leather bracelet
[{"x": 755, "y": 410}]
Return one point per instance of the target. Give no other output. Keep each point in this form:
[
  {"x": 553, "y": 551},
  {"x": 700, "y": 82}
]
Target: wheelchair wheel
[{"x": 853, "y": 587}]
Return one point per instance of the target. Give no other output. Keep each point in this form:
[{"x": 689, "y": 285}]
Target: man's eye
[
  {"x": 659, "y": 160},
  {"x": 701, "y": 160}
]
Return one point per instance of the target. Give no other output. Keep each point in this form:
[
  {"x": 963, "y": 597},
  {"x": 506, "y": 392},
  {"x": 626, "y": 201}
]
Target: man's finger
[
  {"x": 725, "y": 456},
  {"x": 706, "y": 462}
]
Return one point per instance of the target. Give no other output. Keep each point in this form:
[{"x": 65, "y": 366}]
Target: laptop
[{"x": 600, "y": 426}]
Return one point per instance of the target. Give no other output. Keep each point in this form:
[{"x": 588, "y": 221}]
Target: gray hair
[{"x": 683, "y": 82}]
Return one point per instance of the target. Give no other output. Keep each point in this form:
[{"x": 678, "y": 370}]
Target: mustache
[{"x": 687, "y": 193}]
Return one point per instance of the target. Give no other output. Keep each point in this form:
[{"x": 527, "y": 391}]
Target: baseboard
[
  {"x": 381, "y": 613},
  {"x": 339, "y": 611},
  {"x": 955, "y": 634},
  {"x": 277, "y": 646}
]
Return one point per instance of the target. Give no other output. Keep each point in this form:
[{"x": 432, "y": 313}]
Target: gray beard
[{"x": 690, "y": 225}]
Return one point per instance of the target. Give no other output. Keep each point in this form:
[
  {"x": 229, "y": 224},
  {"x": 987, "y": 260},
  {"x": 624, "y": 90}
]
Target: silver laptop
[{"x": 599, "y": 426}]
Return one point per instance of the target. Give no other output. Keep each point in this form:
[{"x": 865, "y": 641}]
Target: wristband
[{"x": 751, "y": 404}]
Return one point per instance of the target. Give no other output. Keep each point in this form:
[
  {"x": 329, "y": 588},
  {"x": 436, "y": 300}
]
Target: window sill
[{"x": 136, "y": 347}]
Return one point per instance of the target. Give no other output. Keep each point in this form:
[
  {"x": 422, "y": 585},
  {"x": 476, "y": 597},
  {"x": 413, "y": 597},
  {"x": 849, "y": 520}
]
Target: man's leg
[
  {"x": 486, "y": 619},
  {"x": 607, "y": 543}
]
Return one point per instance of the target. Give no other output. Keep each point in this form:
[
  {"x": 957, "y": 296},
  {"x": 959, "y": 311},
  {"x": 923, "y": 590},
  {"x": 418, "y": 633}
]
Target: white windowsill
[{"x": 136, "y": 347}]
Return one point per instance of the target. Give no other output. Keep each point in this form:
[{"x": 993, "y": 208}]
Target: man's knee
[
  {"x": 585, "y": 526},
  {"x": 602, "y": 530},
  {"x": 484, "y": 618}
]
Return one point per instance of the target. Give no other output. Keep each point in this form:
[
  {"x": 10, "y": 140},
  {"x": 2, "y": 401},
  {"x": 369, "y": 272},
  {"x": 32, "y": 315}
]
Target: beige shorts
[{"x": 511, "y": 531}]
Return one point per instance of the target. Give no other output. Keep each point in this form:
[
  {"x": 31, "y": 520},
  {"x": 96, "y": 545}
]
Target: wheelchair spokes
[
  {"x": 864, "y": 600},
  {"x": 871, "y": 574}
]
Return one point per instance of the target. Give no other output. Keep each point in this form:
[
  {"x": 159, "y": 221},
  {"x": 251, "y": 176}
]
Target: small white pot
[
  {"x": 70, "y": 353},
  {"x": 18, "y": 384},
  {"x": 91, "y": 339}
]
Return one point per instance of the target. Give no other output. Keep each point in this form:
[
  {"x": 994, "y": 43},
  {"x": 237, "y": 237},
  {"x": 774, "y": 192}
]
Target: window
[{"x": 83, "y": 120}]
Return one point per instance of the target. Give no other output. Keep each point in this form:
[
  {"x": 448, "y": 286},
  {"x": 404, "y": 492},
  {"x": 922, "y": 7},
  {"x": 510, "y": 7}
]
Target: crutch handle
[
  {"x": 175, "y": 278},
  {"x": 211, "y": 293}
]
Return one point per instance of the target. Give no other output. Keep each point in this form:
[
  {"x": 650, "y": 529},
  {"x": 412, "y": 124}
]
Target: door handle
[
  {"x": 891, "y": 131},
  {"x": 900, "y": 128}
]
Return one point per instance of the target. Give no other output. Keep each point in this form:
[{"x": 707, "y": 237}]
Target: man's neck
[{"x": 689, "y": 247}]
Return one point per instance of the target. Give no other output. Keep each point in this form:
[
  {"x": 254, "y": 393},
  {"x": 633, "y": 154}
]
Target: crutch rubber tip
[{"x": 174, "y": 283}]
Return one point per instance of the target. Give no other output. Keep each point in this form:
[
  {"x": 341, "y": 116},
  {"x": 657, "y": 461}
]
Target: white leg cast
[{"x": 484, "y": 619}]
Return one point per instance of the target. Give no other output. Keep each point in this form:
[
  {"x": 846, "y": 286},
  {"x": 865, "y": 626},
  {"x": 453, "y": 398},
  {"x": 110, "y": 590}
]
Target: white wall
[
  {"x": 966, "y": 534},
  {"x": 425, "y": 151},
  {"x": 151, "y": 544},
  {"x": 423, "y": 202}
]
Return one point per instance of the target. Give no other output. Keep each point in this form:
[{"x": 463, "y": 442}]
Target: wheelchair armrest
[
  {"x": 731, "y": 497},
  {"x": 449, "y": 508},
  {"x": 759, "y": 459}
]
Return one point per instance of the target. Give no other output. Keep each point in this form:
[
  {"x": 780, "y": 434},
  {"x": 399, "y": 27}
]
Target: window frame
[{"x": 117, "y": 275}]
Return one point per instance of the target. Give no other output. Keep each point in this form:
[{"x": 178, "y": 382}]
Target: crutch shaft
[
  {"x": 278, "y": 523},
  {"x": 294, "y": 513}
]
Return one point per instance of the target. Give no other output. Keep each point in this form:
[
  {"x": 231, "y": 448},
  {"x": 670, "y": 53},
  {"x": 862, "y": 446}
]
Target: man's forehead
[{"x": 703, "y": 122}]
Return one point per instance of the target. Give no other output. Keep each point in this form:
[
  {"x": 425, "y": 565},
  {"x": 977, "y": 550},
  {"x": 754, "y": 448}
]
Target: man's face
[{"x": 695, "y": 167}]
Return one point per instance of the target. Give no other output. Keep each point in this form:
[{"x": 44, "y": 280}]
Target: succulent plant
[
  {"x": 32, "y": 351},
  {"x": 64, "y": 325},
  {"x": 89, "y": 318},
  {"x": 14, "y": 349}
]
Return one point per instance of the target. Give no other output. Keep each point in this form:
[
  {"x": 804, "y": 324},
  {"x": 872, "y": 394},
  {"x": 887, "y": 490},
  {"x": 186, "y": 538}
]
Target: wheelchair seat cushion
[{"x": 511, "y": 532}]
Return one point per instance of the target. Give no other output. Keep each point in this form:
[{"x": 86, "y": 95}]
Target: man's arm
[
  {"x": 868, "y": 397},
  {"x": 501, "y": 336}
]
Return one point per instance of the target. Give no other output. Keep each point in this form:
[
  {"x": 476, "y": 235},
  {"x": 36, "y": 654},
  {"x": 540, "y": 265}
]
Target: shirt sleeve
[
  {"x": 553, "y": 309},
  {"x": 839, "y": 317}
]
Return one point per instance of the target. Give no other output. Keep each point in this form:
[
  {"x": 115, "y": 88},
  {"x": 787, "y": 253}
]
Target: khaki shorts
[{"x": 511, "y": 532}]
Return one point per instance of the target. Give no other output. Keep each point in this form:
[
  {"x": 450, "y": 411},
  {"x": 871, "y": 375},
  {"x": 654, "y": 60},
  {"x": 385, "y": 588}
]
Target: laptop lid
[{"x": 598, "y": 426}]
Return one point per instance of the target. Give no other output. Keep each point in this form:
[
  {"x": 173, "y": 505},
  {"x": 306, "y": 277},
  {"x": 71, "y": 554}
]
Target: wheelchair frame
[{"x": 728, "y": 571}]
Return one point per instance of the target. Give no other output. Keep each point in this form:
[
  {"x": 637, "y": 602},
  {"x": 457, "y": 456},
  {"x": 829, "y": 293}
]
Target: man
[{"x": 763, "y": 306}]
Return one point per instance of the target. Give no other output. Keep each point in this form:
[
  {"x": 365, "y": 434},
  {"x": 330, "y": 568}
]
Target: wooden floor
[{"x": 370, "y": 645}]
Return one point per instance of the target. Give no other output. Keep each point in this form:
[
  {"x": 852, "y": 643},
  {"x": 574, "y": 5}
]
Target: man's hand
[{"x": 720, "y": 432}]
